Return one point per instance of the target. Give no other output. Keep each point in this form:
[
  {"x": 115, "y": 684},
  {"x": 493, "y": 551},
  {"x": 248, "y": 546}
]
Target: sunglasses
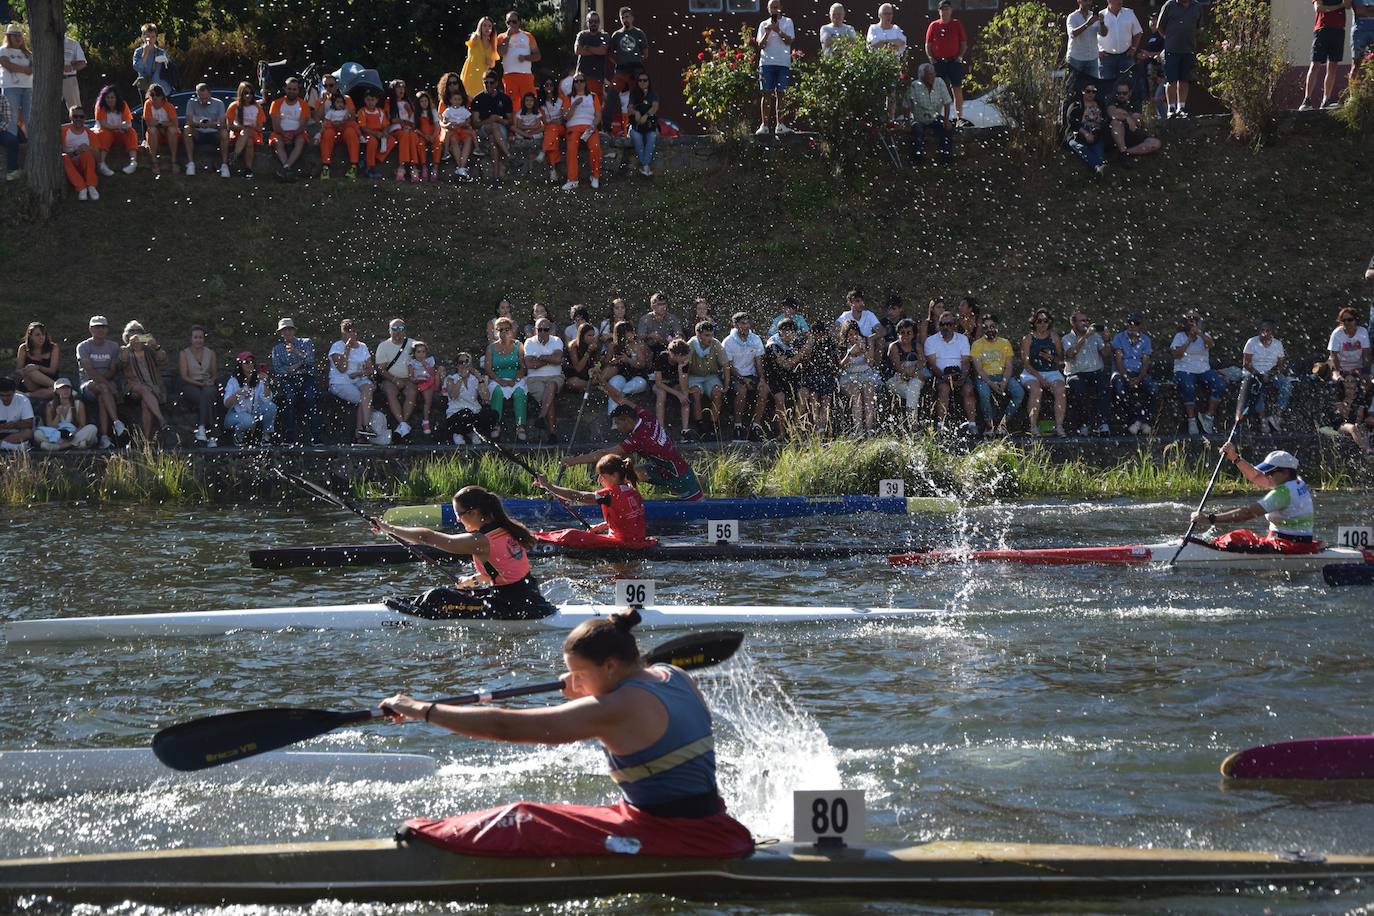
[
  {"x": 642, "y": 79},
  {"x": 1042, "y": 321}
]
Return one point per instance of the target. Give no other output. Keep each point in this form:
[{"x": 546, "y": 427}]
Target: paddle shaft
[
  {"x": 1242, "y": 408},
  {"x": 521, "y": 463},
  {"x": 572, "y": 440}
]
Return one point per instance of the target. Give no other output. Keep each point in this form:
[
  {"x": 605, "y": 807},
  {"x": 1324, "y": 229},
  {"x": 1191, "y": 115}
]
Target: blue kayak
[
  {"x": 668, "y": 510},
  {"x": 1338, "y": 574}
]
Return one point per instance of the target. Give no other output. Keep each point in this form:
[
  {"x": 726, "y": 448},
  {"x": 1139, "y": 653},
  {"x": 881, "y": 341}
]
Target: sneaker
[
  {"x": 596, "y": 182},
  {"x": 105, "y": 170},
  {"x": 689, "y": 435},
  {"x": 539, "y": 157},
  {"x": 783, "y": 129},
  {"x": 248, "y": 173},
  {"x": 351, "y": 174},
  {"x": 365, "y": 433},
  {"x": 646, "y": 171},
  {"x": 1205, "y": 421},
  {"x": 458, "y": 439},
  {"x": 553, "y": 173},
  {"x": 326, "y": 172},
  {"x": 569, "y": 186},
  {"x": 403, "y": 429},
  {"x": 120, "y": 429},
  {"x": 83, "y": 194},
  {"x": 105, "y": 442},
  {"x": 412, "y": 175},
  {"x": 1192, "y": 426},
  {"x": 374, "y": 174},
  {"x": 15, "y": 175},
  {"x": 131, "y": 167},
  {"x": 740, "y": 434},
  {"x": 962, "y": 121},
  {"x": 201, "y": 437},
  {"x": 763, "y": 131},
  {"x": 190, "y": 168},
  {"x": 212, "y": 443},
  {"x": 1331, "y": 103},
  {"x": 400, "y": 173},
  {"x": 1134, "y": 428},
  {"x": 95, "y": 195},
  {"x": 426, "y": 428},
  {"x": 1104, "y": 430},
  {"x": 1081, "y": 431},
  {"x": 1305, "y": 106},
  {"x": 1181, "y": 113},
  {"x": 282, "y": 173},
  {"x": 521, "y": 435},
  {"x": 1275, "y": 424},
  {"x": 224, "y": 171}
]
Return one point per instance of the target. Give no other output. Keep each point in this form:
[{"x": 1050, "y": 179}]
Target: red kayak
[
  {"x": 1342, "y": 757},
  {"x": 1136, "y": 555}
]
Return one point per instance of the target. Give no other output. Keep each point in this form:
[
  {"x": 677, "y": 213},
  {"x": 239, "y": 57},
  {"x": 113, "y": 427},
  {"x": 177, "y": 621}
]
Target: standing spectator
[
  {"x": 393, "y": 374},
  {"x": 644, "y": 123},
  {"x": 627, "y": 362},
  {"x": 97, "y": 357},
  {"x": 544, "y": 375},
  {"x": 16, "y": 72},
  {"x": 1350, "y": 359},
  {"x": 744, "y": 373},
  {"x": 16, "y": 417},
  {"x": 591, "y": 47},
  {"x": 1265, "y": 366},
  {"x": 481, "y": 57},
  {"x": 1042, "y": 357},
  {"x": 78, "y": 156},
  {"x": 582, "y": 353},
  {"x": 151, "y": 62},
  {"x": 9, "y": 139},
  {"x": 906, "y": 359},
  {"x": 774, "y": 37},
  {"x": 1085, "y": 129},
  {"x": 160, "y": 128},
  {"x": 948, "y": 357},
  {"x": 293, "y": 382},
  {"x": 466, "y": 415},
  {"x": 1191, "y": 349},
  {"x": 670, "y": 380},
  {"x": 886, "y": 34},
  {"x": 206, "y": 124},
  {"x": 425, "y": 374},
  {"x": 198, "y": 371},
  {"x": 835, "y": 30},
  {"x": 1085, "y": 26},
  {"x": 1328, "y": 47},
  {"x": 114, "y": 125},
  {"x": 73, "y": 62},
  {"x": 858, "y": 379},
  {"x": 493, "y": 114},
  {"x": 787, "y": 308},
  {"x": 555, "y": 116},
  {"x": 584, "y": 116},
  {"x": 1086, "y": 356},
  {"x": 506, "y": 371},
  {"x": 659, "y": 326},
  {"x": 1132, "y": 353},
  {"x": 1128, "y": 132},
  {"x": 65, "y": 423},
  {"x": 783, "y": 358},
  {"x": 705, "y": 375},
  {"x": 857, "y": 311},
  {"x": 631, "y": 49},
  {"x": 290, "y": 117},
  {"x": 928, "y": 99},
  {"x": 519, "y": 53},
  {"x": 38, "y": 359},
  {"x": 946, "y": 45},
  {"x": 142, "y": 360},
  {"x": 994, "y": 373},
  {"x": 250, "y": 414},
  {"x": 1117, "y": 44},
  {"x": 246, "y": 119},
  {"x": 350, "y": 376},
  {"x": 1177, "y": 23}
]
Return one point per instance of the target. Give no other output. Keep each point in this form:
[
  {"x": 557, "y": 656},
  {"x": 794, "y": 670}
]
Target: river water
[{"x": 1069, "y": 705}]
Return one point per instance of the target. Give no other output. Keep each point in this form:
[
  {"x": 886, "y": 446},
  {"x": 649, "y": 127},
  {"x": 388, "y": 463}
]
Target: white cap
[
  {"x": 1275, "y": 460},
  {"x": 285, "y": 323}
]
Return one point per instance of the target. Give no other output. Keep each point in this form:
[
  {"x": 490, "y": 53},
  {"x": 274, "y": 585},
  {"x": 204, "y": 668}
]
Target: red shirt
[
  {"x": 650, "y": 440},
  {"x": 945, "y": 38},
  {"x": 623, "y": 510},
  {"x": 1329, "y": 19}
]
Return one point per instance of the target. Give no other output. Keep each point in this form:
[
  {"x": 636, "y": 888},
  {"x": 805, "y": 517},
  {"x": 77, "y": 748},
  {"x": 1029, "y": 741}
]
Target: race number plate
[
  {"x": 726, "y": 530},
  {"x": 892, "y": 489},
  {"x": 634, "y": 592},
  {"x": 832, "y": 817},
  {"x": 1359, "y": 537}
]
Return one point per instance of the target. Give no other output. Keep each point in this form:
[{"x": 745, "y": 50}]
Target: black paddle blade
[
  {"x": 1338, "y": 574},
  {"x": 213, "y": 740},
  {"x": 697, "y": 650}
]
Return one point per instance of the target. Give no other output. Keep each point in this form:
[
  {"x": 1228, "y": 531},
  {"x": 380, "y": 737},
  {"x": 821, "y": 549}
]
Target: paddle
[
  {"x": 213, "y": 740},
  {"x": 572, "y": 440},
  {"x": 1242, "y": 408},
  {"x": 521, "y": 463}
]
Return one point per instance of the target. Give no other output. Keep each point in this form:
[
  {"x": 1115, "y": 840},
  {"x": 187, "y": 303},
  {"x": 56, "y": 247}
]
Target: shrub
[
  {"x": 1023, "y": 47},
  {"x": 1357, "y": 112},
  {"x": 723, "y": 85},
  {"x": 845, "y": 96},
  {"x": 1244, "y": 65}
]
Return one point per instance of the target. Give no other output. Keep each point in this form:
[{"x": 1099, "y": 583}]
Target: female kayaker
[
  {"x": 655, "y": 728},
  {"x": 621, "y": 506},
  {"x": 502, "y": 587}
]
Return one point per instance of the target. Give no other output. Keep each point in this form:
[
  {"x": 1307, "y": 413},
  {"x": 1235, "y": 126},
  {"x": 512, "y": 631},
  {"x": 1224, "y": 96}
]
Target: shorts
[
  {"x": 1178, "y": 66},
  {"x": 738, "y": 382},
  {"x": 350, "y": 391},
  {"x": 774, "y": 77},
  {"x": 1328, "y": 45},
  {"x": 535, "y": 385},
  {"x": 951, "y": 70},
  {"x": 706, "y": 383},
  {"x": 1050, "y": 377},
  {"x": 279, "y": 137},
  {"x": 460, "y": 133},
  {"x": 1361, "y": 41},
  {"x": 684, "y": 486}
]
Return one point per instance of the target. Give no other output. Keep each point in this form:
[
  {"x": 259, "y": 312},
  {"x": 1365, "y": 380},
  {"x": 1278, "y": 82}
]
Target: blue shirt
[
  {"x": 679, "y": 765},
  {"x": 803, "y": 326},
  {"x": 1132, "y": 355},
  {"x": 153, "y": 70},
  {"x": 281, "y": 360}
]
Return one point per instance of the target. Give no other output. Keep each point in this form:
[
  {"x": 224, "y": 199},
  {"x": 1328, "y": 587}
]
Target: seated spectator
[
  {"x": 246, "y": 118},
  {"x": 198, "y": 372},
  {"x": 701, "y": 311},
  {"x": 994, "y": 373},
  {"x": 1191, "y": 349},
  {"x": 538, "y": 312},
  {"x": 892, "y": 316},
  {"x": 466, "y": 413},
  {"x": 401, "y": 131},
  {"x": 1128, "y": 133},
  {"x": 1042, "y": 359},
  {"x": 857, "y": 311},
  {"x": 350, "y": 376},
  {"x": 579, "y": 368},
  {"x": 620, "y": 311},
  {"x": 290, "y": 122},
  {"x": 584, "y": 118},
  {"x": 114, "y": 126},
  {"x": 1085, "y": 129},
  {"x": 1349, "y": 357},
  {"x": 79, "y": 156},
  {"x": 783, "y": 358},
  {"x": 16, "y": 417},
  {"x": 627, "y": 362},
  {"x": 670, "y": 380},
  {"x": 744, "y": 375},
  {"x": 966, "y": 315},
  {"x": 38, "y": 361},
  {"x": 9, "y": 138},
  {"x": 250, "y": 414},
  {"x": 142, "y": 360},
  {"x": 506, "y": 372},
  {"x": 1265, "y": 367},
  {"x": 928, "y": 99},
  {"x": 554, "y": 114},
  {"x": 493, "y": 114},
  {"x": 706, "y": 376},
  {"x": 858, "y": 379},
  {"x": 820, "y": 374},
  {"x": 529, "y": 120},
  {"x": 393, "y": 359},
  {"x": 428, "y": 140},
  {"x": 160, "y": 127},
  {"x": 644, "y": 123},
  {"x": 544, "y": 378},
  {"x": 372, "y": 132},
  {"x": 658, "y": 326},
  {"x": 579, "y": 315},
  {"x": 425, "y": 375},
  {"x": 64, "y": 423},
  {"x": 1086, "y": 355},
  {"x": 207, "y": 125},
  {"x": 787, "y": 309},
  {"x": 504, "y": 309},
  {"x": 293, "y": 382},
  {"x": 906, "y": 358},
  {"x": 456, "y": 134},
  {"x": 1132, "y": 353},
  {"x": 98, "y": 359},
  {"x": 948, "y": 359}
]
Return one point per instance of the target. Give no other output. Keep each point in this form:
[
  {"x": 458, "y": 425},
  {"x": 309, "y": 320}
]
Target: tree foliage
[
  {"x": 722, "y": 86},
  {"x": 1023, "y": 48},
  {"x": 844, "y": 97},
  {"x": 1244, "y": 64}
]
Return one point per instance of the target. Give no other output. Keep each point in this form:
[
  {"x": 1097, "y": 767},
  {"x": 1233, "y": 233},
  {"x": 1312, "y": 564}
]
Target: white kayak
[
  {"x": 376, "y": 616},
  {"x": 73, "y": 771}
]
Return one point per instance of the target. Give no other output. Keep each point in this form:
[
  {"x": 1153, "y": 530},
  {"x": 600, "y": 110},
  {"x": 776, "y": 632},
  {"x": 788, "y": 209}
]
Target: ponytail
[
  {"x": 605, "y": 638},
  {"x": 621, "y": 465},
  {"x": 489, "y": 504}
]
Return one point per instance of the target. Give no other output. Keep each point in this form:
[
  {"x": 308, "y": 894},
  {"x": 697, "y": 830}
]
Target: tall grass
[{"x": 148, "y": 475}]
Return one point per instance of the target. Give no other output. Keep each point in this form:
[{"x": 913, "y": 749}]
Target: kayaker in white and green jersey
[{"x": 1287, "y": 506}]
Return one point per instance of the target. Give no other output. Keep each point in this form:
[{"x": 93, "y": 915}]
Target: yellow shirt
[
  {"x": 994, "y": 354},
  {"x": 480, "y": 59}
]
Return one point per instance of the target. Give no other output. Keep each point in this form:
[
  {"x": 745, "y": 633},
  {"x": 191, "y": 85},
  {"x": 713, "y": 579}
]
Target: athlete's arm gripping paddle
[
  {"x": 1242, "y": 408},
  {"x": 524, "y": 465},
  {"x": 213, "y": 740}
]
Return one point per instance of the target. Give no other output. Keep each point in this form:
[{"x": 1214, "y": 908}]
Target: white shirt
[
  {"x": 830, "y": 32},
  {"x": 581, "y": 111},
  {"x": 291, "y": 115},
  {"x": 743, "y": 352},
  {"x": 356, "y": 357},
  {"x": 71, "y": 55},
  {"x": 534, "y": 348},
  {"x": 467, "y": 394},
  {"x": 876, "y": 34},
  {"x": 11, "y": 80},
  {"x": 1088, "y": 358},
  {"x": 19, "y": 409},
  {"x": 456, "y": 116},
  {"x": 1122, "y": 28},
  {"x": 867, "y": 321},
  {"x": 1084, "y": 47},
  {"x": 1263, "y": 359},
  {"x": 947, "y": 353},
  {"x": 337, "y": 115},
  {"x": 231, "y": 391},
  {"x": 72, "y": 140},
  {"x": 1196, "y": 359},
  {"x": 1350, "y": 349},
  {"x": 774, "y": 52},
  {"x": 514, "y": 47}
]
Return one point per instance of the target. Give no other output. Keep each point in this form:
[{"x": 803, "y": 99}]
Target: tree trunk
[{"x": 43, "y": 162}]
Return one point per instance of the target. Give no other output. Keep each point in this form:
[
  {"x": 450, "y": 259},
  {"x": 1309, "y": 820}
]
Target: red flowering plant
[
  {"x": 722, "y": 86},
  {"x": 845, "y": 97},
  {"x": 1244, "y": 62}
]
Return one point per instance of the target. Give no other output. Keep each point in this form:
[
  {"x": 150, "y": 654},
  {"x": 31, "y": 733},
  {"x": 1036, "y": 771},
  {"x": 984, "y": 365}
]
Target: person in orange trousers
[
  {"x": 160, "y": 123},
  {"x": 551, "y": 107},
  {"x": 400, "y": 112},
  {"x": 78, "y": 156},
  {"x": 338, "y": 120},
  {"x": 429, "y": 144},
  {"x": 246, "y": 118},
  {"x": 114, "y": 125},
  {"x": 584, "y": 114},
  {"x": 372, "y": 128}
]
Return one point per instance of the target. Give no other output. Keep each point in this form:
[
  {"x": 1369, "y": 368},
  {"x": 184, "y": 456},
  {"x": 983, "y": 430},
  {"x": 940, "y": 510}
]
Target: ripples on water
[{"x": 1086, "y": 705}]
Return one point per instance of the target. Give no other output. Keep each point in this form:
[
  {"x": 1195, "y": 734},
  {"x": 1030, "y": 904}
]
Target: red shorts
[
  {"x": 1243, "y": 540},
  {"x": 577, "y": 537},
  {"x": 532, "y": 830}
]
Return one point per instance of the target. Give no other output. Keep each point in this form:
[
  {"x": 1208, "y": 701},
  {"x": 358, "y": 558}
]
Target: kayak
[
  {"x": 387, "y": 870},
  {"x": 72, "y": 772},
  {"x": 1194, "y": 555},
  {"x": 676, "y": 510},
  {"x": 1338, "y": 574},
  {"x": 1341, "y": 757},
  {"x": 389, "y": 554},
  {"x": 377, "y": 616}
]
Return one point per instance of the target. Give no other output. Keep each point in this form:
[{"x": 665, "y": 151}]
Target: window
[
  {"x": 960, "y": 5},
  {"x": 704, "y": 6},
  {"x": 743, "y": 6}
]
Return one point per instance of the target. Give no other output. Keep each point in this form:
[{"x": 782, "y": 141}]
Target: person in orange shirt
[
  {"x": 372, "y": 128},
  {"x": 584, "y": 114},
  {"x": 457, "y": 135},
  {"x": 290, "y": 118},
  {"x": 519, "y": 52},
  {"x": 78, "y": 156},
  {"x": 160, "y": 126},
  {"x": 428, "y": 143},
  {"x": 400, "y": 115},
  {"x": 338, "y": 120},
  {"x": 246, "y": 118},
  {"x": 114, "y": 126},
  {"x": 551, "y": 107}
]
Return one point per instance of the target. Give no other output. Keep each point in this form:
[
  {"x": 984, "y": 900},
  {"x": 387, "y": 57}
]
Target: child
[
  {"x": 426, "y": 377},
  {"x": 400, "y": 113},
  {"x": 551, "y": 107},
  {"x": 78, "y": 156},
  {"x": 339, "y": 120},
  {"x": 529, "y": 122},
  {"x": 66, "y": 425},
  {"x": 372, "y": 129},
  {"x": 427, "y": 141},
  {"x": 467, "y": 411},
  {"x": 457, "y": 134},
  {"x": 160, "y": 125}
]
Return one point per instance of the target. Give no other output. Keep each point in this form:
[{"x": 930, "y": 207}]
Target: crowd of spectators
[{"x": 848, "y": 371}]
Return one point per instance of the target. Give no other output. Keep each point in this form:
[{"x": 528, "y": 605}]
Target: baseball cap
[
  {"x": 14, "y": 28},
  {"x": 99, "y": 321},
  {"x": 285, "y": 323},
  {"x": 7, "y": 384},
  {"x": 1275, "y": 460},
  {"x": 62, "y": 383},
  {"x": 1135, "y": 316},
  {"x": 245, "y": 354}
]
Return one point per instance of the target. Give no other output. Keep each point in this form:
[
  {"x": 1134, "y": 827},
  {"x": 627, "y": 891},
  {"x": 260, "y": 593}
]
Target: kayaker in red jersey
[
  {"x": 655, "y": 729},
  {"x": 621, "y": 506},
  {"x": 663, "y": 463}
]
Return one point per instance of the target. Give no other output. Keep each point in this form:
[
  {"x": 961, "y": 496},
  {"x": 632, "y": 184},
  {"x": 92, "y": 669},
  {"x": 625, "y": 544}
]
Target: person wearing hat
[
  {"x": 249, "y": 408},
  {"x": 16, "y": 71},
  {"x": 98, "y": 359},
  {"x": 16, "y": 417},
  {"x": 1287, "y": 507},
  {"x": 65, "y": 423},
  {"x": 293, "y": 380}
]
